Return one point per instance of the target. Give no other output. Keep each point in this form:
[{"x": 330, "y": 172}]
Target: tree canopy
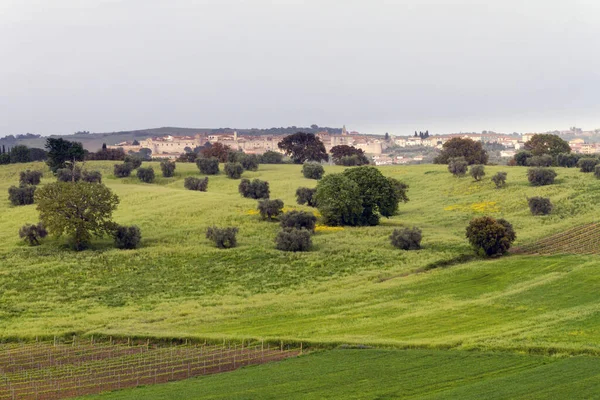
[
  {"x": 303, "y": 147},
  {"x": 218, "y": 151},
  {"x": 339, "y": 152},
  {"x": 358, "y": 196},
  {"x": 472, "y": 151},
  {"x": 63, "y": 153},
  {"x": 76, "y": 209},
  {"x": 547, "y": 144}
]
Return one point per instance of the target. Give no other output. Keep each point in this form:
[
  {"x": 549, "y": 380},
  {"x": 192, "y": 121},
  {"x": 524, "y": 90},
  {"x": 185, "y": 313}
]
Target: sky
[{"x": 376, "y": 66}]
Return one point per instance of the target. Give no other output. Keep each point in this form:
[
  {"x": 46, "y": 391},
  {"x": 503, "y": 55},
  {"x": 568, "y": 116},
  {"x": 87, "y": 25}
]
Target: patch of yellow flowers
[
  {"x": 325, "y": 228},
  {"x": 483, "y": 207}
]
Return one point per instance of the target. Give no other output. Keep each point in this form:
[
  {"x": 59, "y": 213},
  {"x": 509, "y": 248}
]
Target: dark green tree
[
  {"x": 19, "y": 154},
  {"x": 63, "y": 153},
  {"x": 303, "y": 147},
  {"x": 546, "y": 143},
  {"x": 338, "y": 153},
  {"x": 472, "y": 151},
  {"x": 490, "y": 237}
]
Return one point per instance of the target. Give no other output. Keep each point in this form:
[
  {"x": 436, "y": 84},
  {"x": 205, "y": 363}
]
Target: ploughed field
[{"x": 353, "y": 287}]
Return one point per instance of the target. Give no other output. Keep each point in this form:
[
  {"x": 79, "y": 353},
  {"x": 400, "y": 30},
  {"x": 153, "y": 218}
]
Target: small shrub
[
  {"x": 271, "y": 157},
  {"x": 234, "y": 170},
  {"x": 597, "y": 171},
  {"x": 146, "y": 174},
  {"x": 22, "y": 195},
  {"x": 458, "y": 166},
  {"x": 30, "y": 177},
  {"x": 135, "y": 161},
  {"x": 92, "y": 176},
  {"x": 208, "y": 166},
  {"x": 127, "y": 237},
  {"x": 567, "y": 160},
  {"x": 499, "y": 179},
  {"x": 490, "y": 237},
  {"x": 298, "y": 220},
  {"x": 477, "y": 171},
  {"x": 68, "y": 174},
  {"x": 587, "y": 164},
  {"x": 545, "y": 160},
  {"x": 249, "y": 162},
  {"x": 270, "y": 209},
  {"x": 192, "y": 183},
  {"x": 541, "y": 176},
  {"x": 539, "y": 205},
  {"x": 168, "y": 168},
  {"x": 313, "y": 170},
  {"x": 32, "y": 234},
  {"x": 123, "y": 170},
  {"x": 406, "y": 238},
  {"x": 255, "y": 189},
  {"x": 522, "y": 158},
  {"x": 292, "y": 239},
  {"x": 306, "y": 196},
  {"x": 224, "y": 238}
]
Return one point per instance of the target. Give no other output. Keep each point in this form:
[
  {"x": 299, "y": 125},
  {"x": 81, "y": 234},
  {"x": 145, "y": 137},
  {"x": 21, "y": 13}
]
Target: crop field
[
  {"x": 353, "y": 287},
  {"x": 47, "y": 371}
]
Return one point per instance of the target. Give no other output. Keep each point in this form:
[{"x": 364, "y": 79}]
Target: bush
[
  {"x": 208, "y": 166},
  {"x": 313, "y": 170},
  {"x": 135, "y": 161},
  {"x": 597, "y": 171},
  {"x": 522, "y": 158},
  {"x": 146, "y": 174},
  {"x": 224, "y": 238},
  {"x": 539, "y": 205},
  {"x": 298, "y": 220},
  {"x": 587, "y": 164},
  {"x": 234, "y": 170},
  {"x": 339, "y": 200},
  {"x": 22, "y": 195},
  {"x": 477, "y": 171},
  {"x": 306, "y": 196},
  {"x": 127, "y": 237},
  {"x": 249, "y": 162},
  {"x": 457, "y": 166},
  {"x": 68, "y": 174},
  {"x": 30, "y": 177},
  {"x": 567, "y": 160},
  {"x": 167, "y": 168},
  {"x": 271, "y": 157},
  {"x": 92, "y": 176},
  {"x": 541, "y": 176},
  {"x": 192, "y": 183},
  {"x": 406, "y": 238},
  {"x": 123, "y": 170},
  {"x": 32, "y": 234},
  {"x": 499, "y": 179},
  {"x": 490, "y": 237},
  {"x": 545, "y": 160},
  {"x": 270, "y": 209},
  {"x": 292, "y": 239},
  {"x": 256, "y": 189}
]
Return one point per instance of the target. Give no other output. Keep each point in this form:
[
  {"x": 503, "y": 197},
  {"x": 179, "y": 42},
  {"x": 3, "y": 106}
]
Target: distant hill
[{"x": 94, "y": 141}]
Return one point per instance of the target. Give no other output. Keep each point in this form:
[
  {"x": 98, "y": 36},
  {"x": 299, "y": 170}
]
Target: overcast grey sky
[{"x": 374, "y": 65}]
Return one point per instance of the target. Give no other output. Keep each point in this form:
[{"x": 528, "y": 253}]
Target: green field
[
  {"x": 389, "y": 374},
  {"x": 352, "y": 288}
]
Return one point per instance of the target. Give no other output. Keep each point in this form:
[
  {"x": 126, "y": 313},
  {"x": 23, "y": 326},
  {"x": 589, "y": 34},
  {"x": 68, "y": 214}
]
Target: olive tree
[{"x": 78, "y": 210}]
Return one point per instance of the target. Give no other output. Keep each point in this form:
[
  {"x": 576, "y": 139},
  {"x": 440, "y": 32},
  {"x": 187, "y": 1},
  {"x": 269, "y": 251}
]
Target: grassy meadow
[{"x": 352, "y": 288}]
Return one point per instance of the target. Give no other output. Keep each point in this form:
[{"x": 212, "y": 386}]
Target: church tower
[{"x": 344, "y": 131}]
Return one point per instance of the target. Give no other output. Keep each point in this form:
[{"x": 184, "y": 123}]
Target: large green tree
[
  {"x": 79, "y": 210},
  {"x": 358, "y": 196},
  {"x": 339, "y": 152},
  {"x": 63, "y": 153},
  {"x": 302, "y": 147},
  {"x": 472, "y": 151},
  {"x": 547, "y": 144},
  {"x": 19, "y": 154}
]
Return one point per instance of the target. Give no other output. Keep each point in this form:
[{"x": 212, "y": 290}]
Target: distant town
[{"x": 386, "y": 149}]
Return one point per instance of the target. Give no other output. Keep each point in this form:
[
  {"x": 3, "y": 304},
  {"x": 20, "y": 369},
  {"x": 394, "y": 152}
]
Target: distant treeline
[{"x": 21, "y": 154}]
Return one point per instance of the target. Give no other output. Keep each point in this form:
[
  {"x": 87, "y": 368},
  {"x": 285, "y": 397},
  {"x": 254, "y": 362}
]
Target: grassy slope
[
  {"x": 349, "y": 289},
  {"x": 387, "y": 374}
]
